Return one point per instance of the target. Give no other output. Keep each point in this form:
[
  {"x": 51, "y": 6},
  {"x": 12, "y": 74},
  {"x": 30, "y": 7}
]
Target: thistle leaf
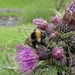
[{"x": 52, "y": 70}]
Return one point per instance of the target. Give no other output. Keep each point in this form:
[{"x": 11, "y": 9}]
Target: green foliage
[
  {"x": 8, "y": 38},
  {"x": 52, "y": 70}
]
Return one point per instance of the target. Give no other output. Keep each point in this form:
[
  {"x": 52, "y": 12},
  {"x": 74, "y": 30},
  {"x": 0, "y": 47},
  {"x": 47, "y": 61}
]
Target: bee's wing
[{"x": 27, "y": 40}]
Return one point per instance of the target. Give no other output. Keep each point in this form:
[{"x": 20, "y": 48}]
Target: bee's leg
[
  {"x": 34, "y": 44},
  {"x": 30, "y": 44},
  {"x": 38, "y": 44}
]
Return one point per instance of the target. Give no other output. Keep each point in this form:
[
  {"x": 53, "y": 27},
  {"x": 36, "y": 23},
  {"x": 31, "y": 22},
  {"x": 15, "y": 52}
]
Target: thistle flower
[
  {"x": 26, "y": 58},
  {"x": 43, "y": 53},
  {"x": 69, "y": 16},
  {"x": 40, "y": 23},
  {"x": 53, "y": 37},
  {"x": 61, "y": 62},
  {"x": 55, "y": 20},
  {"x": 64, "y": 28},
  {"x": 53, "y": 34},
  {"x": 58, "y": 53},
  {"x": 50, "y": 29}
]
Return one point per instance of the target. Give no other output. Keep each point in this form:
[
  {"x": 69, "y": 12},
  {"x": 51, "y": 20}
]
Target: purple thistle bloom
[
  {"x": 58, "y": 53},
  {"x": 40, "y": 23},
  {"x": 50, "y": 29},
  {"x": 26, "y": 58},
  {"x": 55, "y": 20},
  {"x": 69, "y": 15},
  {"x": 54, "y": 34}
]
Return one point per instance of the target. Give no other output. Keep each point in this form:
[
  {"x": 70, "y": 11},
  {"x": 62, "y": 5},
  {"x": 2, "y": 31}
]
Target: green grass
[
  {"x": 33, "y": 8},
  {"x": 7, "y": 35},
  {"x": 26, "y": 4}
]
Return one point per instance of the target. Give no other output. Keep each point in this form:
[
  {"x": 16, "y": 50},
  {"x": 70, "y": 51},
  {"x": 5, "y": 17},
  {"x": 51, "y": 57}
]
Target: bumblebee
[{"x": 36, "y": 38}]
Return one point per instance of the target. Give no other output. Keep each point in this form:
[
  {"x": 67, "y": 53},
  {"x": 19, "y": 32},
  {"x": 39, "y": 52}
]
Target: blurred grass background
[
  {"x": 10, "y": 36},
  {"x": 33, "y": 8}
]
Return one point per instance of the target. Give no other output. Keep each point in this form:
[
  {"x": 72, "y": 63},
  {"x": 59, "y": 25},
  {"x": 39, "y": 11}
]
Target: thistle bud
[
  {"x": 69, "y": 16},
  {"x": 53, "y": 34},
  {"x": 55, "y": 20},
  {"x": 62, "y": 62},
  {"x": 43, "y": 53},
  {"x": 40, "y": 23},
  {"x": 50, "y": 29},
  {"x": 58, "y": 53}
]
